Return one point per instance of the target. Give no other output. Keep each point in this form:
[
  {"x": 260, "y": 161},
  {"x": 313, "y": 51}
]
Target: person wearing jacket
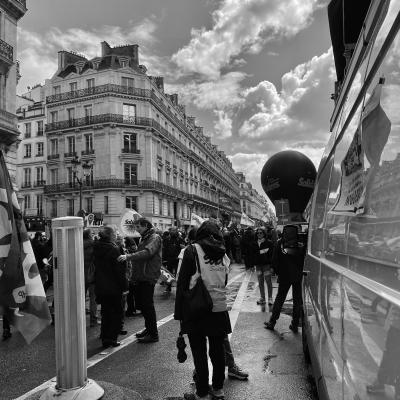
[
  {"x": 88, "y": 263},
  {"x": 146, "y": 269},
  {"x": 262, "y": 261},
  {"x": 214, "y": 267},
  {"x": 110, "y": 285},
  {"x": 248, "y": 248},
  {"x": 287, "y": 262}
]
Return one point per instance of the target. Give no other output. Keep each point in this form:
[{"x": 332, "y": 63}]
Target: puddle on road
[{"x": 267, "y": 360}]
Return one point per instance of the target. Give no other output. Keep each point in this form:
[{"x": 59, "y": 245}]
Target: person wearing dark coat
[
  {"x": 171, "y": 249},
  {"x": 110, "y": 285},
  {"x": 214, "y": 266},
  {"x": 89, "y": 272},
  {"x": 38, "y": 251},
  {"x": 146, "y": 269},
  {"x": 287, "y": 262},
  {"x": 248, "y": 248}
]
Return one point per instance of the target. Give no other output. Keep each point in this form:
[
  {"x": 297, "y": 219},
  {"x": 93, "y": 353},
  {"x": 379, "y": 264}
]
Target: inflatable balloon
[{"x": 289, "y": 175}]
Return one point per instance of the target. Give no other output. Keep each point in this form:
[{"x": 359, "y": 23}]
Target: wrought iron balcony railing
[
  {"x": 87, "y": 152},
  {"x": 6, "y": 51},
  {"x": 70, "y": 154},
  {"x": 39, "y": 183},
  {"x": 130, "y": 151}
]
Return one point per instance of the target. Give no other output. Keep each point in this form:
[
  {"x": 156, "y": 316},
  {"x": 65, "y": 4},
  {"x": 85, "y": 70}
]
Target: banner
[
  {"x": 22, "y": 297},
  {"x": 196, "y": 220},
  {"x": 245, "y": 220},
  {"x": 368, "y": 142},
  {"x": 127, "y": 223}
]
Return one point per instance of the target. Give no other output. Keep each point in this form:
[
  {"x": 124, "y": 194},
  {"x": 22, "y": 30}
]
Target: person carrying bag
[{"x": 205, "y": 266}]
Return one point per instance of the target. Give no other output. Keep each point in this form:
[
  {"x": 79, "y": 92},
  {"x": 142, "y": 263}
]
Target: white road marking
[{"x": 132, "y": 338}]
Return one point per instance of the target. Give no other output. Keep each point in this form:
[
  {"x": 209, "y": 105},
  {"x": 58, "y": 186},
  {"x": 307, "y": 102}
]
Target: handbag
[{"x": 197, "y": 301}]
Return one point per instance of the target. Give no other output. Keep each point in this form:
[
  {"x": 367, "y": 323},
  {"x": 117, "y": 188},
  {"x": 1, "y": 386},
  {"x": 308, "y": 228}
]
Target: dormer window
[
  {"x": 96, "y": 64},
  {"x": 123, "y": 63}
]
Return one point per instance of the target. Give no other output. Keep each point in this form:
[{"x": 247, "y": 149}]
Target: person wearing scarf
[
  {"x": 214, "y": 266},
  {"x": 146, "y": 269}
]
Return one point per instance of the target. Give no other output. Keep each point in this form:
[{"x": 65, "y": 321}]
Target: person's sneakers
[
  {"x": 294, "y": 328},
  {"x": 270, "y": 301},
  {"x": 236, "y": 372},
  {"x": 269, "y": 325},
  {"x": 148, "y": 339},
  {"x": 217, "y": 394},
  {"x": 376, "y": 387},
  {"x": 141, "y": 333},
  {"x": 260, "y": 301}
]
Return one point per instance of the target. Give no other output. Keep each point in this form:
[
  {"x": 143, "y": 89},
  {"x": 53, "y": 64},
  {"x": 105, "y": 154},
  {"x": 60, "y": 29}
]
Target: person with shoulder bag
[{"x": 205, "y": 265}]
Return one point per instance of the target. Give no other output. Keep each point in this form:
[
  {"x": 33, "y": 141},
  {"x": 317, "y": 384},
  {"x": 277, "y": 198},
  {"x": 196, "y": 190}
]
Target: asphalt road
[{"x": 273, "y": 359}]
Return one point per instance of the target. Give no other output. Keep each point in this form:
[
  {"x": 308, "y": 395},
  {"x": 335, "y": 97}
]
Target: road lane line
[
  {"x": 234, "y": 313},
  {"x": 125, "y": 342}
]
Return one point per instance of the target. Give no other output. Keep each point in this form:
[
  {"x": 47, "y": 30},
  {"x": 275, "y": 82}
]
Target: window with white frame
[
  {"x": 71, "y": 114},
  {"x": 131, "y": 202},
  {"x": 54, "y": 116},
  {"x": 73, "y": 86},
  {"x": 27, "y": 201},
  {"x": 53, "y": 146},
  {"x": 88, "y": 111},
  {"x": 39, "y": 204},
  {"x": 130, "y": 174},
  {"x": 90, "y": 83},
  {"x": 39, "y": 175},
  {"x": 127, "y": 82},
  {"x": 129, "y": 113},
  {"x": 160, "y": 207},
  {"x": 129, "y": 142},
  {"x": 54, "y": 176},
  {"x": 39, "y": 149},
  {"x": 56, "y": 89},
  {"x": 28, "y": 130},
  {"x": 39, "y": 127},
  {"x": 89, "y": 204},
  {"x": 28, "y": 150},
  {"x": 27, "y": 177},
  {"x": 88, "y": 142},
  {"x": 53, "y": 208},
  {"x": 70, "y": 207},
  {"x": 71, "y": 144}
]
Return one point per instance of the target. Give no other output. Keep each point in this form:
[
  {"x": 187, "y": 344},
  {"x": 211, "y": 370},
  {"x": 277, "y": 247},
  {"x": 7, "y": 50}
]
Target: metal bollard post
[{"x": 69, "y": 313}]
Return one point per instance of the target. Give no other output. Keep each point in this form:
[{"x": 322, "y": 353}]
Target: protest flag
[{"x": 22, "y": 297}]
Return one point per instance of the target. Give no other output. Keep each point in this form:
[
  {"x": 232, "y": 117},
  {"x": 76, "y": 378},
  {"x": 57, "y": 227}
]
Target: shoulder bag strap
[{"x": 196, "y": 257}]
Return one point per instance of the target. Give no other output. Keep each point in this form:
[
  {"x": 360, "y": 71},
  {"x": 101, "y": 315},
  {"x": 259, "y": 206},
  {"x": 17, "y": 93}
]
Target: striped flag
[{"x": 22, "y": 297}]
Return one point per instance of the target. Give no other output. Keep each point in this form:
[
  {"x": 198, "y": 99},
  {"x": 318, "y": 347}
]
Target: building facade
[
  {"x": 10, "y": 13},
  {"x": 116, "y": 140},
  {"x": 252, "y": 203},
  {"x": 32, "y": 157}
]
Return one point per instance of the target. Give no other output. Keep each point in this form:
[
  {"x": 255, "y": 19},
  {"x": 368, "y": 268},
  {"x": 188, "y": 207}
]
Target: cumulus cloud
[
  {"x": 296, "y": 113},
  {"x": 223, "y": 125},
  {"x": 209, "y": 95},
  {"x": 38, "y": 52},
  {"x": 242, "y": 26}
]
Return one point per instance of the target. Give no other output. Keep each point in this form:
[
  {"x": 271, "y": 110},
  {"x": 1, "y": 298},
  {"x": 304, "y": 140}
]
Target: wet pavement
[{"x": 274, "y": 360}]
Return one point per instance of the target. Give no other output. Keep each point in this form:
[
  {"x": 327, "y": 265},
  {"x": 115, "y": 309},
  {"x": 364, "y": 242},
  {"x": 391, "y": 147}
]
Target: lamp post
[{"x": 87, "y": 168}]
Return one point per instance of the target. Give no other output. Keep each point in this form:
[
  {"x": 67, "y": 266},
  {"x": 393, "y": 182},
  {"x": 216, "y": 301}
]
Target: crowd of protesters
[{"x": 121, "y": 274}]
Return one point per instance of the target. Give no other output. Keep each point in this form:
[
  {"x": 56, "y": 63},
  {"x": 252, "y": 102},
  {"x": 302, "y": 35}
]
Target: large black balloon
[{"x": 289, "y": 175}]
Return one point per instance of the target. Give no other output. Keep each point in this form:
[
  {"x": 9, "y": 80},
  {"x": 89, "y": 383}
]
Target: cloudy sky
[{"x": 257, "y": 74}]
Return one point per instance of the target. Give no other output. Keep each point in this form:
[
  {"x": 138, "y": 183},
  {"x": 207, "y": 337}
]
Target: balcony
[
  {"x": 8, "y": 127},
  {"x": 130, "y": 151},
  {"x": 98, "y": 119},
  {"x": 39, "y": 183},
  {"x": 70, "y": 154},
  {"x": 87, "y": 152},
  {"x": 53, "y": 156},
  {"x": 6, "y": 56}
]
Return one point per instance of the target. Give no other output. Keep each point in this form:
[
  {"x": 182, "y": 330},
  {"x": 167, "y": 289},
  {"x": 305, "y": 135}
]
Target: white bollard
[{"x": 69, "y": 314}]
